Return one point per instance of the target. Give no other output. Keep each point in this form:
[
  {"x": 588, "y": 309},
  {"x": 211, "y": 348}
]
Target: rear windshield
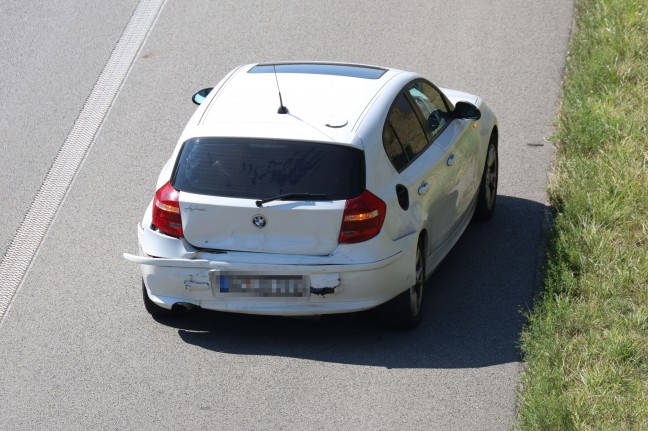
[{"x": 263, "y": 168}]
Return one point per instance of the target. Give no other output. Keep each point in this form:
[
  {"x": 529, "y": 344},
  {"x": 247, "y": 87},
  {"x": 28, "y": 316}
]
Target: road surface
[{"x": 78, "y": 350}]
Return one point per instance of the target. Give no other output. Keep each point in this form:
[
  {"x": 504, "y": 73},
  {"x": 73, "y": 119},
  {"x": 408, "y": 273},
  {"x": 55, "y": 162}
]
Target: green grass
[{"x": 586, "y": 341}]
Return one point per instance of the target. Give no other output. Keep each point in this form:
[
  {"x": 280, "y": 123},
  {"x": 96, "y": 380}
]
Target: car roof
[{"x": 324, "y": 100}]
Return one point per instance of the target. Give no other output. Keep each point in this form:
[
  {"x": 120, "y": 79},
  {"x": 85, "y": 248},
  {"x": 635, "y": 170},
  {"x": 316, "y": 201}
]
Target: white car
[{"x": 316, "y": 188}]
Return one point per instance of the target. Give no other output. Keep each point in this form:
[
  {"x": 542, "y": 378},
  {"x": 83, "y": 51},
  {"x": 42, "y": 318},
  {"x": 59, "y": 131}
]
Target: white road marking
[{"x": 43, "y": 209}]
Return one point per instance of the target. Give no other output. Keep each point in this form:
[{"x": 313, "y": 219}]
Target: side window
[
  {"x": 393, "y": 148},
  {"x": 403, "y": 122},
  {"x": 431, "y": 106}
]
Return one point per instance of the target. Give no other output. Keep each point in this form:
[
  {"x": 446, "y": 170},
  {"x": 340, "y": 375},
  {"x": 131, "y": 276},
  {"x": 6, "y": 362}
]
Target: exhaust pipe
[{"x": 181, "y": 307}]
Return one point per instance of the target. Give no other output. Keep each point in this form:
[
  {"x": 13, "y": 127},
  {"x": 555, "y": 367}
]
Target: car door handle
[
  {"x": 451, "y": 160},
  {"x": 423, "y": 189}
]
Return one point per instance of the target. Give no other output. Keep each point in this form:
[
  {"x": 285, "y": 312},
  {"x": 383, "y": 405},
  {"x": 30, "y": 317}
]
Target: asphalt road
[{"x": 77, "y": 349}]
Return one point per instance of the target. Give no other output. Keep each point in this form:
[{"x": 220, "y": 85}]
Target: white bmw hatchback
[{"x": 316, "y": 188}]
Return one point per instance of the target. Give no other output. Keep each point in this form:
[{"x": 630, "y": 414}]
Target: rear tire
[
  {"x": 405, "y": 310},
  {"x": 488, "y": 186},
  {"x": 154, "y": 309}
]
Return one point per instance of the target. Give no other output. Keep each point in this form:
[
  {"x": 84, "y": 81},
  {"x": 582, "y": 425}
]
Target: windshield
[{"x": 263, "y": 168}]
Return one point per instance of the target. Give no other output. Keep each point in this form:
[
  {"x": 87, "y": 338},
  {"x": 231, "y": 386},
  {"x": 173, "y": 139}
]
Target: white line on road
[{"x": 43, "y": 209}]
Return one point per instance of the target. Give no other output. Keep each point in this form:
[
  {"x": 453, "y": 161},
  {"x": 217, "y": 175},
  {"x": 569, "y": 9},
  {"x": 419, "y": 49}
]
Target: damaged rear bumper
[
  {"x": 328, "y": 284},
  {"x": 328, "y": 288}
]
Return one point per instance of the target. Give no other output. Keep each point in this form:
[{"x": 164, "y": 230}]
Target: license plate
[{"x": 260, "y": 285}]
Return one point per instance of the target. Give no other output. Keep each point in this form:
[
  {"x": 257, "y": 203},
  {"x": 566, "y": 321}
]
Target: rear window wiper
[{"x": 301, "y": 196}]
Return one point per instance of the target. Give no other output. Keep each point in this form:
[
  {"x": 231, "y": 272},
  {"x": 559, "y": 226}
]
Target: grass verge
[{"x": 586, "y": 341}]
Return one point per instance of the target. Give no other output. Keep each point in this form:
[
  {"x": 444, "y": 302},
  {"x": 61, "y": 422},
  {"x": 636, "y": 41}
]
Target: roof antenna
[{"x": 282, "y": 109}]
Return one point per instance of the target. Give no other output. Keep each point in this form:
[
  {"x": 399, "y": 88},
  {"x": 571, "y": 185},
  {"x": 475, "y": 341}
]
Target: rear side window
[
  {"x": 403, "y": 136},
  {"x": 393, "y": 148},
  {"x": 263, "y": 168}
]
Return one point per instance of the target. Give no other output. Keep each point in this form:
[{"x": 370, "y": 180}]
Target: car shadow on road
[{"x": 472, "y": 309}]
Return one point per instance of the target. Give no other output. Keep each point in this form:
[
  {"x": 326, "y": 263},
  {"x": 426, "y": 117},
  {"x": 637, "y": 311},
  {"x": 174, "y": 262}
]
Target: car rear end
[{"x": 213, "y": 236}]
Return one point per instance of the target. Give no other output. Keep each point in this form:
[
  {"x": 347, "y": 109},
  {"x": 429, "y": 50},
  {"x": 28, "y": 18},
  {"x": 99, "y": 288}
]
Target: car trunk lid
[
  {"x": 222, "y": 180},
  {"x": 289, "y": 227}
]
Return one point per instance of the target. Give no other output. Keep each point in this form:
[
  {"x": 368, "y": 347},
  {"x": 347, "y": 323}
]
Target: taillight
[
  {"x": 363, "y": 218},
  {"x": 166, "y": 210}
]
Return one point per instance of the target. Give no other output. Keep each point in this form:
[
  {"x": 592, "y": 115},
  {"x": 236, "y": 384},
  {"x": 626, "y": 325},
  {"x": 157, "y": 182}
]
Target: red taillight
[
  {"x": 166, "y": 210},
  {"x": 363, "y": 218}
]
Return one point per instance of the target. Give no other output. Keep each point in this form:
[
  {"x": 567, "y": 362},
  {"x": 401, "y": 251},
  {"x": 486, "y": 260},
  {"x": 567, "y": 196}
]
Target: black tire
[
  {"x": 154, "y": 309},
  {"x": 488, "y": 186},
  {"x": 405, "y": 310}
]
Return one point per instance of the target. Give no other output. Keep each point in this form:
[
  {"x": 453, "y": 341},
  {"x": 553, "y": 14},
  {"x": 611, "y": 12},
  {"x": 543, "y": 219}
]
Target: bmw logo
[{"x": 259, "y": 221}]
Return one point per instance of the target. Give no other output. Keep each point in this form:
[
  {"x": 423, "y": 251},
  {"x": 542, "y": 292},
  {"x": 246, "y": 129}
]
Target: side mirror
[
  {"x": 466, "y": 111},
  {"x": 200, "y": 96}
]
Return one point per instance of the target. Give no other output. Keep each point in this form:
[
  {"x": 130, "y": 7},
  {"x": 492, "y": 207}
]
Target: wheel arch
[
  {"x": 423, "y": 240},
  {"x": 494, "y": 135}
]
